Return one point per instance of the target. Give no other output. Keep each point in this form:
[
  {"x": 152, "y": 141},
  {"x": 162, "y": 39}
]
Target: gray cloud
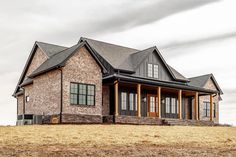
[
  {"x": 132, "y": 16},
  {"x": 201, "y": 40}
]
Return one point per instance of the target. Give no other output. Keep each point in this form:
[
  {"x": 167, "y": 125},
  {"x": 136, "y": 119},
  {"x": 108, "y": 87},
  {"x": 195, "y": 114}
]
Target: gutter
[{"x": 161, "y": 83}]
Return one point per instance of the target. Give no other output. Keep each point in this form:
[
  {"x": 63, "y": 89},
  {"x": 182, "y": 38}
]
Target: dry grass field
[{"x": 116, "y": 140}]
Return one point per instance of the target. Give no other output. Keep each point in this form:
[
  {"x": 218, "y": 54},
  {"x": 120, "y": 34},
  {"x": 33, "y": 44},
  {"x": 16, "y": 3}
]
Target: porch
[{"x": 137, "y": 103}]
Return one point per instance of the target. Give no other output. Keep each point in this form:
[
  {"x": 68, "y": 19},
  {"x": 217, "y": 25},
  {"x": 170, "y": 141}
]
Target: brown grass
[{"x": 117, "y": 140}]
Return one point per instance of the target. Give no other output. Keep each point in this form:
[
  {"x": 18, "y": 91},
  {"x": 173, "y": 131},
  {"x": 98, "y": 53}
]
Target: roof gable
[
  {"x": 59, "y": 59},
  {"x": 166, "y": 70},
  {"x": 48, "y": 49},
  {"x": 201, "y": 81}
]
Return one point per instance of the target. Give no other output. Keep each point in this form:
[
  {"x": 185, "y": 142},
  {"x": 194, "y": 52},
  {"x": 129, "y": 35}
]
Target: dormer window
[{"x": 153, "y": 70}]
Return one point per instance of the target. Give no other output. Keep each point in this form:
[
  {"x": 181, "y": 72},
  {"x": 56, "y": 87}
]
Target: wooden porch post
[
  {"x": 139, "y": 99},
  {"x": 211, "y": 107},
  {"x": 180, "y": 103},
  {"x": 159, "y": 101},
  {"x": 116, "y": 98},
  {"x": 196, "y": 105}
]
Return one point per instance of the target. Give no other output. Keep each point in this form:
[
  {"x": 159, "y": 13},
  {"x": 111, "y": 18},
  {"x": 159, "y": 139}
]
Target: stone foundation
[{"x": 138, "y": 120}]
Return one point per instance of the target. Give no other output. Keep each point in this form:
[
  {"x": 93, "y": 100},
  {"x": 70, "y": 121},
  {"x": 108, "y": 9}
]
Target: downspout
[
  {"x": 23, "y": 100},
  {"x": 61, "y": 105}
]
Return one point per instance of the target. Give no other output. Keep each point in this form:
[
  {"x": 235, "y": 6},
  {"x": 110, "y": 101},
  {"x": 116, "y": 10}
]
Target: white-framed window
[
  {"x": 153, "y": 70},
  {"x": 155, "y": 73},
  {"x": 167, "y": 105},
  {"x": 152, "y": 104},
  {"x": 123, "y": 100},
  {"x": 150, "y": 70},
  {"x": 173, "y": 105},
  {"x": 131, "y": 101},
  {"x": 136, "y": 102}
]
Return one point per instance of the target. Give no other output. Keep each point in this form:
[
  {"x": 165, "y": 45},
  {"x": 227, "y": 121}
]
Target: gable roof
[
  {"x": 59, "y": 59},
  {"x": 124, "y": 58},
  {"x": 200, "y": 81},
  {"x": 50, "y": 49}
]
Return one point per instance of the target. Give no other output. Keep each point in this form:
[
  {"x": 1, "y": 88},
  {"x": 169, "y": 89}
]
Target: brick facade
[
  {"x": 105, "y": 100},
  {"x": 202, "y": 99},
  {"x": 82, "y": 68},
  {"x": 20, "y": 102}
]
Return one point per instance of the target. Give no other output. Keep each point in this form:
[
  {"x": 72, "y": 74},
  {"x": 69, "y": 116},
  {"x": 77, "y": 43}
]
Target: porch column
[
  {"x": 211, "y": 107},
  {"x": 159, "y": 101},
  {"x": 139, "y": 99},
  {"x": 116, "y": 98},
  {"x": 180, "y": 103},
  {"x": 196, "y": 105}
]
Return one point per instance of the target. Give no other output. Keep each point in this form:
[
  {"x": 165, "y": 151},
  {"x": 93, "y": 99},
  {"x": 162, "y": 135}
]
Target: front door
[
  {"x": 152, "y": 105},
  {"x": 169, "y": 107}
]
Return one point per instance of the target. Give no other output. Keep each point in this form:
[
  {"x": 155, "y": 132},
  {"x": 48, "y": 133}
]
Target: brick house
[{"x": 96, "y": 82}]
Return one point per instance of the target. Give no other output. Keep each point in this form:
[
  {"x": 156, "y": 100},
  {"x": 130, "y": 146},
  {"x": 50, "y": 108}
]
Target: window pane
[
  {"x": 152, "y": 104},
  {"x": 73, "y": 88},
  {"x": 90, "y": 100},
  {"x": 91, "y": 90},
  {"x": 167, "y": 105},
  {"x": 82, "y": 99},
  {"x": 155, "y": 71},
  {"x": 136, "y": 102},
  {"x": 82, "y": 89},
  {"x": 131, "y": 101},
  {"x": 149, "y": 70},
  {"x": 123, "y": 101},
  {"x": 73, "y": 99},
  {"x": 173, "y": 105}
]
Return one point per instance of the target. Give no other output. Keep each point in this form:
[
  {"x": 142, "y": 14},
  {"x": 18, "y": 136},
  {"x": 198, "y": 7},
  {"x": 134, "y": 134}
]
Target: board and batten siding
[{"x": 153, "y": 58}]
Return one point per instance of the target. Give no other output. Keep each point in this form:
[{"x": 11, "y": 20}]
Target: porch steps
[{"x": 178, "y": 122}]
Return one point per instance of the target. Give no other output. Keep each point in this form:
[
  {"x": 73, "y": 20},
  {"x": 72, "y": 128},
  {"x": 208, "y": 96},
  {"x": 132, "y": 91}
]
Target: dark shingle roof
[
  {"x": 128, "y": 59},
  {"x": 115, "y": 55},
  {"x": 200, "y": 81},
  {"x": 55, "y": 60},
  {"x": 50, "y": 49}
]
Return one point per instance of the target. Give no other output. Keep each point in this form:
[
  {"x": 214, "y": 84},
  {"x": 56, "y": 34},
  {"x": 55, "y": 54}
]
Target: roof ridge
[
  {"x": 142, "y": 50},
  {"x": 64, "y": 50},
  {"x": 110, "y": 43},
  {"x": 210, "y": 74},
  {"x": 50, "y": 44}
]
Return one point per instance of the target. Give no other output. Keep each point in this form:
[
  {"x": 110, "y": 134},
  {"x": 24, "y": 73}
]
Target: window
[
  {"x": 173, "y": 105},
  {"x": 27, "y": 99},
  {"x": 206, "y": 109},
  {"x": 136, "y": 102},
  {"x": 167, "y": 105},
  {"x": 149, "y": 70},
  {"x": 123, "y": 101},
  {"x": 82, "y": 94},
  {"x": 131, "y": 101},
  {"x": 152, "y": 104},
  {"x": 155, "y": 71}
]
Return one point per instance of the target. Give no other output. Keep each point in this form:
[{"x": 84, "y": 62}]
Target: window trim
[
  {"x": 153, "y": 71},
  {"x": 86, "y": 95}
]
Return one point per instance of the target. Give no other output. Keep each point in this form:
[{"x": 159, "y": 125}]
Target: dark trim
[
  {"x": 61, "y": 105},
  {"x": 151, "y": 82},
  {"x": 87, "y": 84},
  {"x": 62, "y": 64}
]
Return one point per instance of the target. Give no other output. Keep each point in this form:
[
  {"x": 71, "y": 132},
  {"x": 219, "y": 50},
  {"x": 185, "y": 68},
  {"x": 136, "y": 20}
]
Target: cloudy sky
[{"x": 195, "y": 36}]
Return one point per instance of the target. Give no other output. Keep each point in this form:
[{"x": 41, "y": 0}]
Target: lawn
[{"x": 116, "y": 140}]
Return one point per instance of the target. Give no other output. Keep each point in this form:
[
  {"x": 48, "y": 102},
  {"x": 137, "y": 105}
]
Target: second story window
[
  {"x": 153, "y": 70},
  {"x": 149, "y": 70}
]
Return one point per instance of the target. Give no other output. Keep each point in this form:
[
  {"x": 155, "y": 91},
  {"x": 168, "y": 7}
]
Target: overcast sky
[{"x": 194, "y": 36}]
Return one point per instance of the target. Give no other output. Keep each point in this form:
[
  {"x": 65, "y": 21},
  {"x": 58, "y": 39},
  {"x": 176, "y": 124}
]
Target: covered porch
[{"x": 143, "y": 102}]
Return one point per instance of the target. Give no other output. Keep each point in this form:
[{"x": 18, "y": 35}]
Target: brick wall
[
  {"x": 82, "y": 68},
  {"x": 209, "y": 85},
  {"x": 20, "y": 104},
  {"x": 105, "y": 100}
]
